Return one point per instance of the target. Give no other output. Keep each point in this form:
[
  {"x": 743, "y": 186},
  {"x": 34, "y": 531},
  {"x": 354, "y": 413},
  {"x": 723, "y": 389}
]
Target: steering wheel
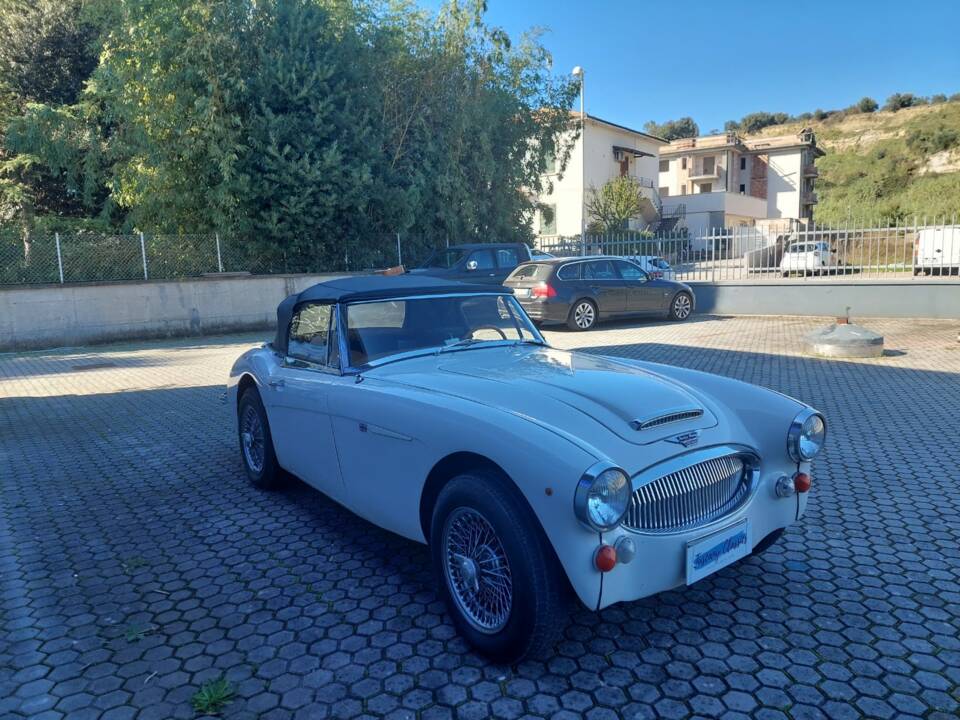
[{"x": 497, "y": 330}]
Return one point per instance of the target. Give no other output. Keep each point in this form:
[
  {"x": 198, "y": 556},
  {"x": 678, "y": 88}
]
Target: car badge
[{"x": 687, "y": 439}]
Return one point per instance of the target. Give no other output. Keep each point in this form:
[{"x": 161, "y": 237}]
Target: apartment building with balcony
[
  {"x": 603, "y": 151},
  {"x": 727, "y": 180}
]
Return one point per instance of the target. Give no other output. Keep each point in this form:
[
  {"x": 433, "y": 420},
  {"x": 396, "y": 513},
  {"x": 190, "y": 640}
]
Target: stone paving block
[{"x": 136, "y": 563}]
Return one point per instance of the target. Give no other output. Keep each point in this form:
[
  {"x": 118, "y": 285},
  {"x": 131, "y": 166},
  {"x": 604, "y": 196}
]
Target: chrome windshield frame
[{"x": 342, "y": 329}]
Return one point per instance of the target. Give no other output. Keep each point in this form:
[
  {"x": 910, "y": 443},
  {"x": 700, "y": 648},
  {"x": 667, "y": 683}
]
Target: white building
[
  {"x": 727, "y": 181},
  {"x": 609, "y": 151}
]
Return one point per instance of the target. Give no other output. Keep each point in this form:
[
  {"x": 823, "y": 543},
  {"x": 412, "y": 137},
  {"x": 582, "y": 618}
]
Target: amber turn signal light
[{"x": 605, "y": 558}]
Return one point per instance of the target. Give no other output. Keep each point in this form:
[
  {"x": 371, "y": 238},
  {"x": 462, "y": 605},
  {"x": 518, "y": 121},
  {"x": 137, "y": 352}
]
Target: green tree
[
  {"x": 171, "y": 86},
  {"x": 614, "y": 204},
  {"x": 898, "y": 101},
  {"x": 867, "y": 105},
  {"x": 48, "y": 51},
  {"x": 755, "y": 122},
  {"x": 310, "y": 144},
  {"x": 685, "y": 127}
]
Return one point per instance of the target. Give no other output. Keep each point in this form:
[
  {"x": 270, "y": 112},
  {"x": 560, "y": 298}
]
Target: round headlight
[
  {"x": 602, "y": 497},
  {"x": 807, "y": 434}
]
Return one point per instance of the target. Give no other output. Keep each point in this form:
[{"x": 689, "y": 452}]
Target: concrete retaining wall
[
  {"x": 60, "y": 315},
  {"x": 933, "y": 299}
]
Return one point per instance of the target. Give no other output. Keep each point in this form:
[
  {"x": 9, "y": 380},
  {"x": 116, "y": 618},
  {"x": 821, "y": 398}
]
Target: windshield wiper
[{"x": 463, "y": 342}]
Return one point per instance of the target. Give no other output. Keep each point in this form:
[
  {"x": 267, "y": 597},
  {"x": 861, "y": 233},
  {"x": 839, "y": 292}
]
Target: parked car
[
  {"x": 538, "y": 255},
  {"x": 809, "y": 257},
  {"x": 937, "y": 251},
  {"x": 581, "y": 291},
  {"x": 436, "y": 410},
  {"x": 655, "y": 267},
  {"x": 475, "y": 263}
]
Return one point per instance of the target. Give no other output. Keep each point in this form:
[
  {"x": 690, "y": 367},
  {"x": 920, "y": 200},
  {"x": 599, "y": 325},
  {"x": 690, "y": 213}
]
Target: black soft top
[{"x": 370, "y": 287}]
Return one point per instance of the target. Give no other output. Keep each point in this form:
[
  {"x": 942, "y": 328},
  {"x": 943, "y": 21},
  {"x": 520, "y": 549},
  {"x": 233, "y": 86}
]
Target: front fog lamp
[
  {"x": 602, "y": 497},
  {"x": 807, "y": 435}
]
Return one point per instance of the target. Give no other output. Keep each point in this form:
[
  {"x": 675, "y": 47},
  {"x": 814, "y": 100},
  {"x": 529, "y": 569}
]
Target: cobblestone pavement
[{"x": 136, "y": 563}]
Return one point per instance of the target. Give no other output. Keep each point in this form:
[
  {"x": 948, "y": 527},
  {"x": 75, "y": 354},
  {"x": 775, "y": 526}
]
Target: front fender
[{"x": 408, "y": 430}]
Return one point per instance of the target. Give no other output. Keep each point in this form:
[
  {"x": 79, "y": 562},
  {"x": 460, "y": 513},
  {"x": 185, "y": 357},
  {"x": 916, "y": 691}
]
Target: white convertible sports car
[{"x": 436, "y": 410}]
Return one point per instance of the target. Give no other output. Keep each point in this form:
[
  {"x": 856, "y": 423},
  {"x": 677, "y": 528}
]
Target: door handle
[{"x": 278, "y": 383}]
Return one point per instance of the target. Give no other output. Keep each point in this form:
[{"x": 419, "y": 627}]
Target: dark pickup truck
[{"x": 476, "y": 262}]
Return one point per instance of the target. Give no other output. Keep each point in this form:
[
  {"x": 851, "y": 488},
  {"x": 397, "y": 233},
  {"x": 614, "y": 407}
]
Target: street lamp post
[{"x": 578, "y": 73}]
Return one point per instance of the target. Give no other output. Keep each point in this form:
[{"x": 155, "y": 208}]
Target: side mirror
[{"x": 472, "y": 265}]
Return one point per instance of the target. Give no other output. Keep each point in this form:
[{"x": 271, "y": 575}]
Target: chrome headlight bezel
[
  {"x": 590, "y": 480},
  {"x": 796, "y": 434}
]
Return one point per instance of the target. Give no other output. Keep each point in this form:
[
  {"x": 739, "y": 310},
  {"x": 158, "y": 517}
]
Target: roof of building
[
  {"x": 576, "y": 115},
  {"x": 684, "y": 146},
  {"x": 369, "y": 287}
]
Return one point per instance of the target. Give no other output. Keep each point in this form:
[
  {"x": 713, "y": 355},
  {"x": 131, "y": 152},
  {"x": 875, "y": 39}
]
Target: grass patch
[{"x": 213, "y": 696}]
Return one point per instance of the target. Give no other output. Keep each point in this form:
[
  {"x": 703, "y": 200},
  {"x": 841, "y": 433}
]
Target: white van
[{"x": 937, "y": 251}]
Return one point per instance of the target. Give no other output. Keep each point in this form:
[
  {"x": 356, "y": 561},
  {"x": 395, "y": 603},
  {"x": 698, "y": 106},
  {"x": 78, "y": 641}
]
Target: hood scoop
[{"x": 665, "y": 419}]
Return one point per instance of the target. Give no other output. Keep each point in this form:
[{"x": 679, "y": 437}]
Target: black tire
[
  {"x": 768, "y": 541},
  {"x": 681, "y": 306},
  {"x": 537, "y": 611},
  {"x": 266, "y": 475},
  {"x": 583, "y": 315}
]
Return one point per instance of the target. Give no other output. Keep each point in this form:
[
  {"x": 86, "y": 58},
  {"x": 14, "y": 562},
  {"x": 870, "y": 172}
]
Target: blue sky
[{"x": 717, "y": 61}]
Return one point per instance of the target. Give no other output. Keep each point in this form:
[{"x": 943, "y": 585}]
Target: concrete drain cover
[{"x": 844, "y": 339}]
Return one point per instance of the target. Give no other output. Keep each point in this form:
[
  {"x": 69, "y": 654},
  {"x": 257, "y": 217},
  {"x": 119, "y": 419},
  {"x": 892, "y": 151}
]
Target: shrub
[
  {"x": 898, "y": 101},
  {"x": 867, "y": 105}
]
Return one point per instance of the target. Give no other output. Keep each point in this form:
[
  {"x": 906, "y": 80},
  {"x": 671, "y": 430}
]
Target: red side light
[
  {"x": 605, "y": 558},
  {"x": 802, "y": 482},
  {"x": 543, "y": 290}
]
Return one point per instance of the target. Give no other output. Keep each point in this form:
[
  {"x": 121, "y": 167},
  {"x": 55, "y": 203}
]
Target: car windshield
[
  {"x": 444, "y": 258},
  {"x": 377, "y": 331}
]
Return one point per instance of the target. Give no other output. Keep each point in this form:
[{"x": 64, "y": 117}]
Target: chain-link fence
[
  {"x": 750, "y": 253},
  {"x": 97, "y": 257}
]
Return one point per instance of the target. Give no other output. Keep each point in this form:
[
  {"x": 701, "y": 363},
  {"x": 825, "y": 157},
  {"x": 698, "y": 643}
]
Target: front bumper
[{"x": 661, "y": 558}]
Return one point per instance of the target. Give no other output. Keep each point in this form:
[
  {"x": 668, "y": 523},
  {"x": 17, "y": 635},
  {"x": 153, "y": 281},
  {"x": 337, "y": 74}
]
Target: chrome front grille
[{"x": 689, "y": 497}]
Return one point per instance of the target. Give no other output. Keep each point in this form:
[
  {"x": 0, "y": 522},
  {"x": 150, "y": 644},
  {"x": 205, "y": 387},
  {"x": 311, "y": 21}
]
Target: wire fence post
[
  {"x": 143, "y": 254},
  {"x": 59, "y": 257},
  {"x": 399, "y": 255},
  {"x": 219, "y": 258}
]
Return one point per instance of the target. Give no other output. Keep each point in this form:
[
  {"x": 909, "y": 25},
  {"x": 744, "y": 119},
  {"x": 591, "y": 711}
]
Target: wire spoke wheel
[
  {"x": 252, "y": 438},
  {"x": 681, "y": 306},
  {"x": 476, "y": 570},
  {"x": 584, "y": 315}
]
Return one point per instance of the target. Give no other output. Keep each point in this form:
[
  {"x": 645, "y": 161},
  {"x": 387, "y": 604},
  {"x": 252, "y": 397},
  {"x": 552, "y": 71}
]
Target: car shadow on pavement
[
  {"x": 639, "y": 322},
  {"x": 139, "y": 563}
]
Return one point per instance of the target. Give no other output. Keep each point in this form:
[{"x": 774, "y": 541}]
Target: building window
[
  {"x": 548, "y": 220},
  {"x": 664, "y": 192},
  {"x": 709, "y": 165},
  {"x": 683, "y": 188},
  {"x": 743, "y": 163},
  {"x": 743, "y": 189},
  {"x": 683, "y": 163},
  {"x": 551, "y": 162},
  {"x": 664, "y": 166},
  {"x": 706, "y": 187}
]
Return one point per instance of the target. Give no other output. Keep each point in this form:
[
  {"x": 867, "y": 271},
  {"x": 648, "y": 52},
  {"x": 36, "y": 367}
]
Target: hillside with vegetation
[{"x": 886, "y": 166}]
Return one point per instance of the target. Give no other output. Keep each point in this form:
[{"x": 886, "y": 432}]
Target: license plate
[
  {"x": 523, "y": 292},
  {"x": 708, "y": 554}
]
